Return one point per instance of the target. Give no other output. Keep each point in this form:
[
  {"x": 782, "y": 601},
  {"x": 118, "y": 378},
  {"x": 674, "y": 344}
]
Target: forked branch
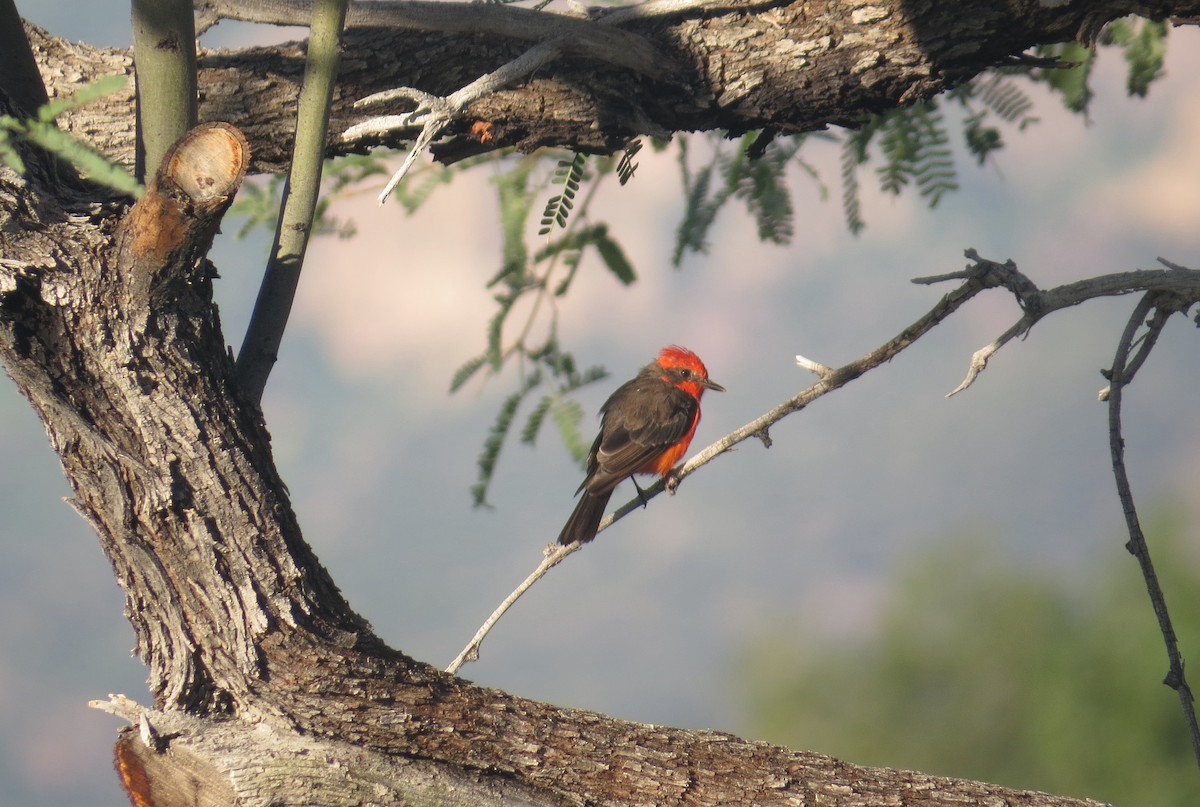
[
  {"x": 1153, "y": 311},
  {"x": 1176, "y": 284}
]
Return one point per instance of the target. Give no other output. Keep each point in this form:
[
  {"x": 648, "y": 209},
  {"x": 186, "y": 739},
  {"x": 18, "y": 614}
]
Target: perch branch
[
  {"x": 1121, "y": 374},
  {"x": 1178, "y": 284},
  {"x": 830, "y": 379}
]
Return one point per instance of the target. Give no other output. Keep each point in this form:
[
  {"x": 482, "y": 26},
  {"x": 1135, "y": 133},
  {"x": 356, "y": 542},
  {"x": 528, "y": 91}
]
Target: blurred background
[{"x": 901, "y": 580}]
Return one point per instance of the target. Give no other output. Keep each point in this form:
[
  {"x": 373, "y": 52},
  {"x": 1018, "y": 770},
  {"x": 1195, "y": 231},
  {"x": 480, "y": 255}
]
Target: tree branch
[
  {"x": 1182, "y": 286},
  {"x": 264, "y": 334},
  {"x": 799, "y": 67},
  {"x": 164, "y": 47},
  {"x": 19, "y": 77},
  {"x": 1122, "y": 373}
]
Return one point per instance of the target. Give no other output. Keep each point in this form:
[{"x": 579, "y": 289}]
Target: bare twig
[
  {"x": 433, "y": 114},
  {"x": 1182, "y": 283},
  {"x": 1120, "y": 375}
]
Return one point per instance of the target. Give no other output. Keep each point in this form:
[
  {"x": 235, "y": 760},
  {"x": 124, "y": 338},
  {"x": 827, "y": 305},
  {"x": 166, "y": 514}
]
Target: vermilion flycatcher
[{"x": 645, "y": 428}]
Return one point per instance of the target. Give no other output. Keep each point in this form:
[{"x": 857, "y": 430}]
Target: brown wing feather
[{"x": 641, "y": 419}]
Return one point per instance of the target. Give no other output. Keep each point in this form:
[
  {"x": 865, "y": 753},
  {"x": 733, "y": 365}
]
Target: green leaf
[
  {"x": 495, "y": 329},
  {"x": 626, "y": 166},
  {"x": 534, "y": 424},
  {"x": 496, "y": 437},
  {"x": 700, "y": 209},
  {"x": 1145, "y": 53},
  {"x": 763, "y": 186},
  {"x": 516, "y": 200},
  {"x": 854, "y": 154},
  {"x": 558, "y": 208},
  {"x": 85, "y": 95},
  {"x": 567, "y": 416},
  {"x": 95, "y": 167},
  {"x": 463, "y": 374},
  {"x": 1071, "y": 81},
  {"x": 614, "y": 258},
  {"x": 9, "y": 155}
]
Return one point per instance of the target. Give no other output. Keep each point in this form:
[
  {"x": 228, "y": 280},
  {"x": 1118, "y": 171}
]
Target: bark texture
[
  {"x": 268, "y": 688},
  {"x": 793, "y": 68}
]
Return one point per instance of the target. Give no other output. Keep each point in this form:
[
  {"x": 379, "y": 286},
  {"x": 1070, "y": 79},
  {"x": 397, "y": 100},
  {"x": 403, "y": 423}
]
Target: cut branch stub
[{"x": 173, "y": 225}]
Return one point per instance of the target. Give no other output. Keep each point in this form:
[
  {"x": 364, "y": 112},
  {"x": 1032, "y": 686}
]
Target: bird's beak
[{"x": 712, "y": 385}]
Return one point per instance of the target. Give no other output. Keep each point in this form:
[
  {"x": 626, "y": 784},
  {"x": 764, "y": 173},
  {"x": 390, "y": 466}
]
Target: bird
[{"x": 645, "y": 428}]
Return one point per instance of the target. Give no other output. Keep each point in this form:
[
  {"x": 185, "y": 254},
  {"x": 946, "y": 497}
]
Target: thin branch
[
  {"x": 830, "y": 381},
  {"x": 260, "y": 347},
  {"x": 1182, "y": 283},
  {"x": 551, "y": 557},
  {"x": 1178, "y": 285},
  {"x": 164, "y": 53},
  {"x": 1122, "y": 373},
  {"x": 433, "y": 114}
]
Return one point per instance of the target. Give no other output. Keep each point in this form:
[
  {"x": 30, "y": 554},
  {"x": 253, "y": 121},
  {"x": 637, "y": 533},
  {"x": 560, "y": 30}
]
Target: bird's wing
[{"x": 644, "y": 424}]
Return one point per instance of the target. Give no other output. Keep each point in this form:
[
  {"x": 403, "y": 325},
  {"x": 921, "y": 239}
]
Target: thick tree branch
[{"x": 792, "y": 68}]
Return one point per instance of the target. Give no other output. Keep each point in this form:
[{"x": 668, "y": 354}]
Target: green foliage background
[{"x": 1040, "y": 679}]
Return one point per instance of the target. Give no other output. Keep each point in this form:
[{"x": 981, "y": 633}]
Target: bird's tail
[{"x": 585, "y": 519}]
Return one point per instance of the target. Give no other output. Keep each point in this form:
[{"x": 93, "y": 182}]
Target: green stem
[
  {"x": 164, "y": 53},
  {"x": 260, "y": 348}
]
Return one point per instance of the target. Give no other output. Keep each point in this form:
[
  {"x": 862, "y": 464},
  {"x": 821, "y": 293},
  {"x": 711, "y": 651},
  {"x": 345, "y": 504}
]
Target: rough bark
[
  {"x": 268, "y": 688},
  {"x": 792, "y": 68}
]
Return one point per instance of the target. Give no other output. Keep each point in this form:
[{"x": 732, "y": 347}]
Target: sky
[{"x": 650, "y": 622}]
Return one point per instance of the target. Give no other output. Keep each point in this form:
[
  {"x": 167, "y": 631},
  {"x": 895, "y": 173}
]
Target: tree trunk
[{"x": 268, "y": 687}]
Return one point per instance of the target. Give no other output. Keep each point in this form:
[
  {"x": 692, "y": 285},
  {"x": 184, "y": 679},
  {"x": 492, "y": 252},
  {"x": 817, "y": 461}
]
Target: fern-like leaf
[
  {"x": 496, "y": 437},
  {"x": 464, "y": 373},
  {"x": 534, "y": 423},
  {"x": 516, "y": 201},
  {"x": 1002, "y": 96},
  {"x": 1145, "y": 49},
  {"x": 763, "y": 186},
  {"x": 1071, "y": 81},
  {"x": 700, "y": 209},
  {"x": 626, "y": 166},
  {"x": 568, "y": 416},
  {"x": 558, "y": 208},
  {"x": 854, "y": 154},
  {"x": 41, "y": 131},
  {"x": 614, "y": 257}
]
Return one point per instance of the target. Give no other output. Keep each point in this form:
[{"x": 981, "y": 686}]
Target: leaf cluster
[
  {"x": 542, "y": 274},
  {"x": 1142, "y": 43}
]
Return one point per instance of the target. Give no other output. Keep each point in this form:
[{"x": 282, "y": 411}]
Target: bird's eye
[{"x": 685, "y": 373}]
